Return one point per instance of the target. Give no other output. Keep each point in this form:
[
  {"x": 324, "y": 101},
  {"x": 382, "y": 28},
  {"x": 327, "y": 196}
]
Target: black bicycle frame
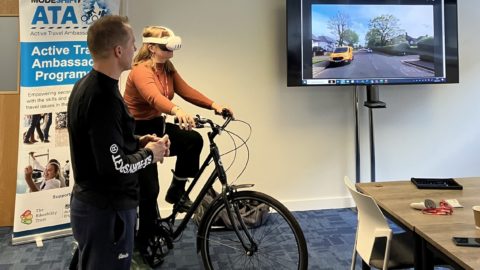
[
  {"x": 196, "y": 203},
  {"x": 219, "y": 173}
]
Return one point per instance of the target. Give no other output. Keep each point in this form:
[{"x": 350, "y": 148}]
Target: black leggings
[{"x": 186, "y": 145}]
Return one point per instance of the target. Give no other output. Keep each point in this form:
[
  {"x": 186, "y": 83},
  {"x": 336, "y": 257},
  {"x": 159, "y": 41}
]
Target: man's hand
[
  {"x": 147, "y": 138},
  {"x": 160, "y": 148}
]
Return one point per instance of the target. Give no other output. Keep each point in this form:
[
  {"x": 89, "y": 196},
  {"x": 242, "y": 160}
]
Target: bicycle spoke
[{"x": 221, "y": 242}]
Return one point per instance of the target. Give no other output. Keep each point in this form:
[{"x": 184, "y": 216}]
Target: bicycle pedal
[
  {"x": 153, "y": 261},
  {"x": 154, "y": 255},
  {"x": 164, "y": 237}
]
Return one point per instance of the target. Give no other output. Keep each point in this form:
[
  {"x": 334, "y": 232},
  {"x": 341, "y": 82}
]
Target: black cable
[
  {"x": 244, "y": 143},
  {"x": 234, "y": 149}
]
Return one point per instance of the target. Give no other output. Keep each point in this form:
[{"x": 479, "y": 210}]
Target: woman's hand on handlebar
[
  {"x": 222, "y": 110},
  {"x": 185, "y": 121}
]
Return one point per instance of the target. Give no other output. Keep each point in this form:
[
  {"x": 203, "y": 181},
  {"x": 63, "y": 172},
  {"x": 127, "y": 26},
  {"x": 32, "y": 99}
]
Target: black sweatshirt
[{"x": 105, "y": 153}]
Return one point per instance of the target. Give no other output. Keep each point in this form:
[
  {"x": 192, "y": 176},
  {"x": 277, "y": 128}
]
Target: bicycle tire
[{"x": 221, "y": 248}]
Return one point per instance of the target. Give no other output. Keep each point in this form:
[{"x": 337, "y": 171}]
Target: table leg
[{"x": 423, "y": 257}]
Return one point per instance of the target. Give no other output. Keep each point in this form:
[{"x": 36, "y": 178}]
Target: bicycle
[
  {"x": 239, "y": 246},
  {"x": 89, "y": 15}
]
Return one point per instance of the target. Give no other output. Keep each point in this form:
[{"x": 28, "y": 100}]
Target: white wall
[{"x": 303, "y": 138}]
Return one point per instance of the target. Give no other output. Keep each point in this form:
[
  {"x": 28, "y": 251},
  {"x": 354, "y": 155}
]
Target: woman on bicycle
[{"x": 150, "y": 88}]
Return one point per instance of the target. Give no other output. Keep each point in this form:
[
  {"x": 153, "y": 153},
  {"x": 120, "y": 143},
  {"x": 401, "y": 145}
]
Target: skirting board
[{"x": 319, "y": 203}]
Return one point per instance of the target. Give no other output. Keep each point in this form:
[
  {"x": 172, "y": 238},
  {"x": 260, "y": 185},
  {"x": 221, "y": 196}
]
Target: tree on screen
[
  {"x": 339, "y": 24},
  {"x": 382, "y": 29}
]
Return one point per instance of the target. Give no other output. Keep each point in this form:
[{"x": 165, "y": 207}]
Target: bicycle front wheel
[{"x": 279, "y": 242}]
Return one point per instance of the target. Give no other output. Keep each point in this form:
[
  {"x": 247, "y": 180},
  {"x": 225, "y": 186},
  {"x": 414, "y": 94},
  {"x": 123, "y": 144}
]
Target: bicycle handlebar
[{"x": 200, "y": 122}]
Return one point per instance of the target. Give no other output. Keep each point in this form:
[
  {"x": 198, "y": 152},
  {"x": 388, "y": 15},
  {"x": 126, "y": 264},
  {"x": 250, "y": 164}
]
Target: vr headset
[{"x": 170, "y": 43}]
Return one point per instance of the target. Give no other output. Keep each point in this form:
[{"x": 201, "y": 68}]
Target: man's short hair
[{"x": 106, "y": 33}]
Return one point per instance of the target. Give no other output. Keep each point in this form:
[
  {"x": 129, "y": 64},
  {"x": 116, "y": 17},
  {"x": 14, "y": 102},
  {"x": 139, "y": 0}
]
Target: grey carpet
[{"x": 329, "y": 233}]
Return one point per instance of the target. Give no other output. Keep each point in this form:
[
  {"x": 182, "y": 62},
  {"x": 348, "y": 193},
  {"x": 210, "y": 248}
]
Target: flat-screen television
[{"x": 371, "y": 42}]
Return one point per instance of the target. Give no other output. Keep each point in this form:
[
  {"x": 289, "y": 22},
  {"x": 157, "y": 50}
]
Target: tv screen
[{"x": 371, "y": 42}]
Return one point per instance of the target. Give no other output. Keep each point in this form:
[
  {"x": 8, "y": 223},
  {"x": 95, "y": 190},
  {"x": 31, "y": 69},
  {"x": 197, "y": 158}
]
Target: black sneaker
[
  {"x": 175, "y": 192},
  {"x": 172, "y": 196}
]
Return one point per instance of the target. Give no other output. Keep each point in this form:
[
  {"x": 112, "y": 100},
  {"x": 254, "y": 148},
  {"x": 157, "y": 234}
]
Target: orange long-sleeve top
[{"x": 148, "y": 92}]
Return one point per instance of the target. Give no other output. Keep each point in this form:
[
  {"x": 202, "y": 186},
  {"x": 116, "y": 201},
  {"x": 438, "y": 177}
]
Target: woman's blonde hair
[{"x": 144, "y": 53}]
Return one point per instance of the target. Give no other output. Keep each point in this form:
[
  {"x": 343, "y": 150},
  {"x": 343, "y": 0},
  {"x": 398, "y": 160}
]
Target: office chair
[{"x": 374, "y": 240}]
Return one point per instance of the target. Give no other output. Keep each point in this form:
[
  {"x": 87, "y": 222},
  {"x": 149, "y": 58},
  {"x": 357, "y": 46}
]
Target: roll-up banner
[{"x": 53, "y": 56}]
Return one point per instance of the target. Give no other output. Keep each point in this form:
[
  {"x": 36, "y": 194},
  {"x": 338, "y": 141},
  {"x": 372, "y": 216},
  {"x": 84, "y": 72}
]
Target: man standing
[{"x": 105, "y": 153}]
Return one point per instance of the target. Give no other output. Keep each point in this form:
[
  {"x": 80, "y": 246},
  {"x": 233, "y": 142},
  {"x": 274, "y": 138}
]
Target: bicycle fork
[{"x": 251, "y": 247}]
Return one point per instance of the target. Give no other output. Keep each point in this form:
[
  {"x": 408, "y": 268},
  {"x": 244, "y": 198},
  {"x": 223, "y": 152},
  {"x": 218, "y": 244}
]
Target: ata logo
[
  {"x": 26, "y": 217},
  {"x": 54, "y": 15}
]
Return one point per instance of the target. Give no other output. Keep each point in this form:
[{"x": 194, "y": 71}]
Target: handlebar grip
[
  {"x": 225, "y": 113},
  {"x": 197, "y": 124}
]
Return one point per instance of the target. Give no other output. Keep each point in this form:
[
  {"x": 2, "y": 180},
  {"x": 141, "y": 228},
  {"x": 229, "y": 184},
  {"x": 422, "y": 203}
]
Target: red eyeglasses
[{"x": 443, "y": 209}]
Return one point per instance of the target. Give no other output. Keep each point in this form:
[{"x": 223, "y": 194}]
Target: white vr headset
[{"x": 170, "y": 43}]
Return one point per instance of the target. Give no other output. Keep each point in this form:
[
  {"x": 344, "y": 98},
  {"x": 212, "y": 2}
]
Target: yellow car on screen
[{"x": 342, "y": 54}]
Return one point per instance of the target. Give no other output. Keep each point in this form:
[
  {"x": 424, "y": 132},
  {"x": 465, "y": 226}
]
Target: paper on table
[{"x": 454, "y": 203}]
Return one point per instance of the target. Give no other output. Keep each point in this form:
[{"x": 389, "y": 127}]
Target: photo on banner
[{"x": 53, "y": 56}]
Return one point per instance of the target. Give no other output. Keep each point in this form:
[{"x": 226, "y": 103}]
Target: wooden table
[{"x": 433, "y": 232}]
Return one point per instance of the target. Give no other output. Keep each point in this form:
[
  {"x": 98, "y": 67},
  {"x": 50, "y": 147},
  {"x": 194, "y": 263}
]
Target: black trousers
[
  {"x": 186, "y": 146},
  {"x": 105, "y": 236}
]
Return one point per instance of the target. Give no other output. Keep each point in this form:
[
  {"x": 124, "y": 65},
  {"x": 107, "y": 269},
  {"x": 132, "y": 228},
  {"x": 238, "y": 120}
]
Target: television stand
[{"x": 371, "y": 103}]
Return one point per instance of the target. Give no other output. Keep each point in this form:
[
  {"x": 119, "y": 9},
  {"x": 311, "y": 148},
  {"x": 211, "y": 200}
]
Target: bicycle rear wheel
[{"x": 280, "y": 243}]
